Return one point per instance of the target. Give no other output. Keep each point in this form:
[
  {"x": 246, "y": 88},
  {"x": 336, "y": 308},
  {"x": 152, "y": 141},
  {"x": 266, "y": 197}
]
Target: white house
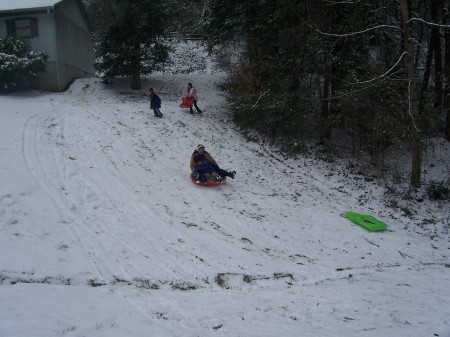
[{"x": 59, "y": 27}]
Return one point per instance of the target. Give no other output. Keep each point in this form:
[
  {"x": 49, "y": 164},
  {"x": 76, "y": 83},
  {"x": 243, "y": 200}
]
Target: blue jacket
[
  {"x": 205, "y": 167},
  {"x": 155, "y": 101}
]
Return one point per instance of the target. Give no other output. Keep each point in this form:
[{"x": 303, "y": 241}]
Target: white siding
[
  {"x": 64, "y": 35},
  {"x": 46, "y": 34}
]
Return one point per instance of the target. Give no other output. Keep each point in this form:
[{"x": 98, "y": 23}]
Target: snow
[
  {"x": 103, "y": 234},
  {"x": 26, "y": 4}
]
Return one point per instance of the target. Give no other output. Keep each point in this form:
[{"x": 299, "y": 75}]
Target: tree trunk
[
  {"x": 413, "y": 102},
  {"x": 136, "y": 79},
  {"x": 436, "y": 17},
  {"x": 136, "y": 67},
  {"x": 447, "y": 72},
  {"x": 325, "y": 133}
]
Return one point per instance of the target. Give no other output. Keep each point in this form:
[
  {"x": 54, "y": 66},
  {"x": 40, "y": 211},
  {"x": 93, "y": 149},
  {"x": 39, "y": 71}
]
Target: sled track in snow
[{"x": 77, "y": 195}]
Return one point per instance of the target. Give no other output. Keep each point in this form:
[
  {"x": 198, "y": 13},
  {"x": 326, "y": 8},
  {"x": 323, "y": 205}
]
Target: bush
[
  {"x": 438, "y": 191},
  {"x": 19, "y": 64}
]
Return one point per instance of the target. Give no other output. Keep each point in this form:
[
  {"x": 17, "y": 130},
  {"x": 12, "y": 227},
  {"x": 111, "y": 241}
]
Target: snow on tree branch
[
  {"x": 354, "y": 33},
  {"x": 429, "y": 23},
  {"x": 376, "y": 80},
  {"x": 385, "y": 74},
  {"x": 261, "y": 96},
  {"x": 409, "y": 106}
]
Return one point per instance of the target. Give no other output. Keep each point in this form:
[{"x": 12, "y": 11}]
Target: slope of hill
[{"x": 103, "y": 234}]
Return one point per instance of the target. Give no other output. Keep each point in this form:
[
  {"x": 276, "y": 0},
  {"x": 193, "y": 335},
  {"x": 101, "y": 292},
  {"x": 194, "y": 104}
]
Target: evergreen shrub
[{"x": 19, "y": 64}]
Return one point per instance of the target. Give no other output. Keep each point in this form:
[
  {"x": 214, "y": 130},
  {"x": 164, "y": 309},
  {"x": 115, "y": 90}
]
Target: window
[{"x": 23, "y": 28}]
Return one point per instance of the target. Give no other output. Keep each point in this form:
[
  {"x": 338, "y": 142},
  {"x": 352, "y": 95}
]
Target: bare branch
[
  {"x": 343, "y": 2},
  {"x": 429, "y": 23},
  {"x": 381, "y": 78},
  {"x": 354, "y": 33},
  {"x": 370, "y": 241},
  {"x": 265, "y": 92},
  {"x": 384, "y": 75},
  {"x": 409, "y": 106},
  {"x": 403, "y": 255}
]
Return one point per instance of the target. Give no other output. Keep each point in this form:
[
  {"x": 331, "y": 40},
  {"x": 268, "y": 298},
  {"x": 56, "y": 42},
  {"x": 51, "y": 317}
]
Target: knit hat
[{"x": 199, "y": 146}]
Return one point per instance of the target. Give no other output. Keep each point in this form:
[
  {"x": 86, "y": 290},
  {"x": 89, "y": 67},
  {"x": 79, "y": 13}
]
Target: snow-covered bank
[{"x": 103, "y": 234}]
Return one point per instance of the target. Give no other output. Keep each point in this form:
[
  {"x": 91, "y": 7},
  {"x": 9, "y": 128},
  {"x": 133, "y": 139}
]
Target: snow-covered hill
[{"x": 103, "y": 234}]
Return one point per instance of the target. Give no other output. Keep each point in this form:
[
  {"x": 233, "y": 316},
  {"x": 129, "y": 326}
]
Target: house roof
[
  {"x": 19, "y": 7},
  {"x": 24, "y": 5}
]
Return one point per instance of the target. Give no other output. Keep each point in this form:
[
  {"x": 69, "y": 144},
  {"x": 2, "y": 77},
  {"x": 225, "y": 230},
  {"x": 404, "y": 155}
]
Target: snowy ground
[{"x": 103, "y": 234}]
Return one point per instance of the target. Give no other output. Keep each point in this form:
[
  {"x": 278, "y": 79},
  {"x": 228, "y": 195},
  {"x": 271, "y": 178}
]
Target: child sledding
[{"x": 204, "y": 169}]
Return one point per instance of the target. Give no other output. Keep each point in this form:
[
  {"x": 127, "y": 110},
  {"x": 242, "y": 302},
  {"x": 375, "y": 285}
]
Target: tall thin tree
[
  {"x": 416, "y": 150},
  {"x": 447, "y": 71}
]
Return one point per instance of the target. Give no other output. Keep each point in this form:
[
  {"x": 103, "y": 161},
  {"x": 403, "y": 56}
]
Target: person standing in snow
[
  {"x": 155, "y": 103},
  {"x": 192, "y": 92},
  {"x": 200, "y": 155}
]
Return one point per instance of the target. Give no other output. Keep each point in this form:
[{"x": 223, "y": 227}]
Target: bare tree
[
  {"x": 447, "y": 71},
  {"x": 413, "y": 101}
]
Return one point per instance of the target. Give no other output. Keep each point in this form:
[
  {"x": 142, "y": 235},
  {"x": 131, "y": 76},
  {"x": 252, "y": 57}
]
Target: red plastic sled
[
  {"x": 187, "y": 102},
  {"x": 209, "y": 183}
]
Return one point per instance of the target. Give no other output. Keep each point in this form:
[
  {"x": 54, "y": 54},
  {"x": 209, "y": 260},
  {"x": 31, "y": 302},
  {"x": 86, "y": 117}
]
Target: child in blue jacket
[
  {"x": 205, "y": 171},
  {"x": 155, "y": 103}
]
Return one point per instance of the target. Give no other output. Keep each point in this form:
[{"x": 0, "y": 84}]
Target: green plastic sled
[{"x": 367, "y": 221}]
